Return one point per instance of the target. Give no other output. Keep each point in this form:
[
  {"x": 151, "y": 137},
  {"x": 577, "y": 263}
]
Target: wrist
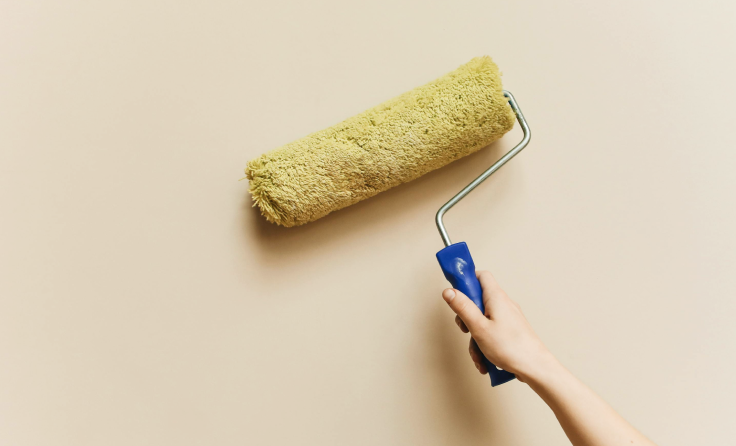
[{"x": 542, "y": 369}]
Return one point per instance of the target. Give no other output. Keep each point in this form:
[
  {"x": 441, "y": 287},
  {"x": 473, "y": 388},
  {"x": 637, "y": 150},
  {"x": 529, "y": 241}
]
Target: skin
[{"x": 505, "y": 337}]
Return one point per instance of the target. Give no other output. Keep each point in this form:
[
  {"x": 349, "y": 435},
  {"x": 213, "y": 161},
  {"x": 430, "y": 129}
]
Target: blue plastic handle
[{"x": 459, "y": 270}]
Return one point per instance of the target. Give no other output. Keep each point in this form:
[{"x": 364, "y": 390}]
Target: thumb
[{"x": 465, "y": 308}]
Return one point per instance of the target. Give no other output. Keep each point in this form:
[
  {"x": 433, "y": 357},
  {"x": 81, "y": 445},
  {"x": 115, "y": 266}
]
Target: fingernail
[{"x": 448, "y": 295}]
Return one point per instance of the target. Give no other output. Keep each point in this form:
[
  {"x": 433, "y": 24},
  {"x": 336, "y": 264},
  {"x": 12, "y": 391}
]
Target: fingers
[
  {"x": 492, "y": 291},
  {"x": 465, "y": 309},
  {"x": 469, "y": 319},
  {"x": 477, "y": 357},
  {"x": 487, "y": 281}
]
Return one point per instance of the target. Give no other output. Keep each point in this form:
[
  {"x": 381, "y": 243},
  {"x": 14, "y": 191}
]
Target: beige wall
[{"x": 143, "y": 302}]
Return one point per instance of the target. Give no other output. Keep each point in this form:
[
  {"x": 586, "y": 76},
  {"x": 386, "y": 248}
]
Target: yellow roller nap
[{"x": 395, "y": 142}]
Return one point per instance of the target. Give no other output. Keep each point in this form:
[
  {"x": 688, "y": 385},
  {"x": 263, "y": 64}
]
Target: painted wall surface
[{"x": 143, "y": 301}]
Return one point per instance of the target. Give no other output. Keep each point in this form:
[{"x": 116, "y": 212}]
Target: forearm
[
  {"x": 505, "y": 337},
  {"x": 585, "y": 417}
]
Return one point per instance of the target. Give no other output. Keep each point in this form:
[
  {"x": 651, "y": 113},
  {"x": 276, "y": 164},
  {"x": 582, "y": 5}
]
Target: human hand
[
  {"x": 505, "y": 337},
  {"x": 503, "y": 334}
]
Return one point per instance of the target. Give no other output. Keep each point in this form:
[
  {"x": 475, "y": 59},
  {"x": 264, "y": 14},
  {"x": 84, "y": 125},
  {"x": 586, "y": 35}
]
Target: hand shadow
[
  {"x": 444, "y": 400},
  {"x": 466, "y": 409}
]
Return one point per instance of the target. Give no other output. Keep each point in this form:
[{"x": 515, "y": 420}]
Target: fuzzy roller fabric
[{"x": 395, "y": 142}]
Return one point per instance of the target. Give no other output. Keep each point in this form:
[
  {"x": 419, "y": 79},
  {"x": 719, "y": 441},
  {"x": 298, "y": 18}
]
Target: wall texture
[{"x": 142, "y": 300}]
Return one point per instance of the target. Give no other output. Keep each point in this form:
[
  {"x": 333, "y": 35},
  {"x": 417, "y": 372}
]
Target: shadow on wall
[
  {"x": 462, "y": 407},
  {"x": 275, "y": 244},
  {"x": 447, "y": 400}
]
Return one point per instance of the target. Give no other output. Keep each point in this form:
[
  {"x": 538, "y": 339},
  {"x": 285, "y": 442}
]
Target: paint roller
[{"x": 390, "y": 144}]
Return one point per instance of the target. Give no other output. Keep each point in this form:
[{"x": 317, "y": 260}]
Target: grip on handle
[{"x": 459, "y": 270}]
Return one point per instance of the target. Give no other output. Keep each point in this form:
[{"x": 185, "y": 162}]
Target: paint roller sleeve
[{"x": 392, "y": 143}]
